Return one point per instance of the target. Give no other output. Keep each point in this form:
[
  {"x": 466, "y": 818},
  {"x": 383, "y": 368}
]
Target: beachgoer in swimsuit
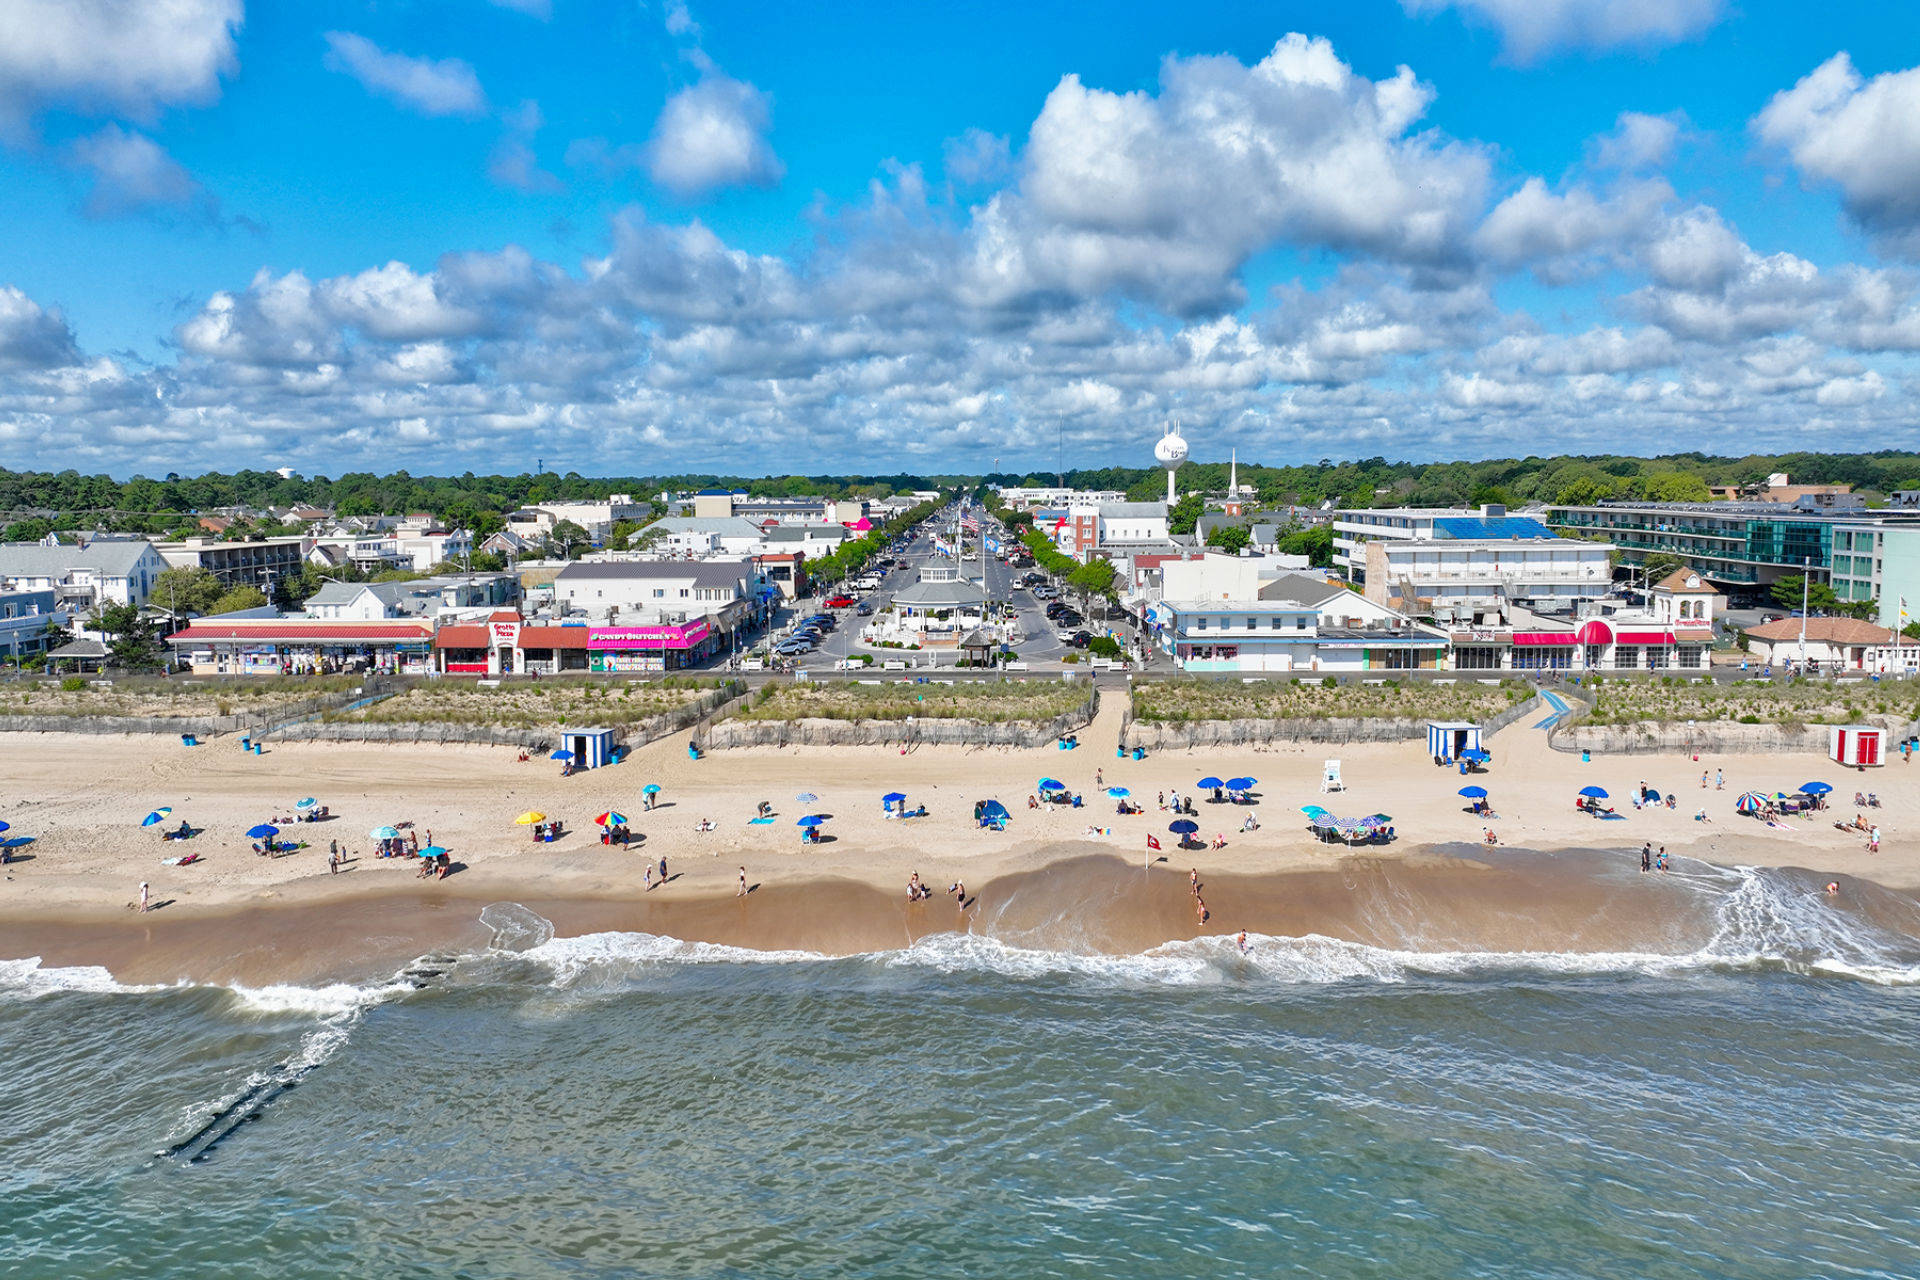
[
  {"x": 743, "y": 884},
  {"x": 1242, "y": 940},
  {"x": 146, "y": 896}
]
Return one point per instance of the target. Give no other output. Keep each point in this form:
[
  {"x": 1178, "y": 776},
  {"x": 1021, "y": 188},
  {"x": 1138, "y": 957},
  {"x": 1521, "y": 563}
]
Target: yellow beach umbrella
[{"x": 528, "y": 818}]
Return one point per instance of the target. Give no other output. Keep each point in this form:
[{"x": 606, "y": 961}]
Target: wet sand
[{"x": 1047, "y": 880}]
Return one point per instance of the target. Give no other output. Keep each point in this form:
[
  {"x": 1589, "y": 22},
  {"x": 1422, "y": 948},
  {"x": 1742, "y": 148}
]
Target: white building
[
  {"x": 650, "y": 592},
  {"x": 1457, "y": 577},
  {"x": 1026, "y": 499},
  {"x": 106, "y": 571},
  {"x": 1297, "y": 622},
  {"x": 1352, "y": 530},
  {"x": 537, "y": 519},
  {"x": 1091, "y": 526}
]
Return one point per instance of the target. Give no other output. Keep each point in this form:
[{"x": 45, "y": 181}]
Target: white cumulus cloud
[
  {"x": 1532, "y": 29},
  {"x": 1861, "y": 135},
  {"x": 447, "y": 87},
  {"x": 130, "y": 172},
  {"x": 131, "y": 57},
  {"x": 712, "y": 134}
]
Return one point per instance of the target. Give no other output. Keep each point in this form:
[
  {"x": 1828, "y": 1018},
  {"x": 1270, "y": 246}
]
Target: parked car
[
  {"x": 840, "y": 602},
  {"x": 1045, "y": 592},
  {"x": 1079, "y": 639},
  {"x": 1068, "y": 618},
  {"x": 1057, "y": 608},
  {"x": 864, "y": 609}
]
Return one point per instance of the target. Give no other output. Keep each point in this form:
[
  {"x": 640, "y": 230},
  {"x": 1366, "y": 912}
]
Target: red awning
[
  {"x": 461, "y": 637},
  {"x": 1544, "y": 637},
  {"x": 553, "y": 637},
  {"x": 1646, "y": 637},
  {"x": 1595, "y": 631}
]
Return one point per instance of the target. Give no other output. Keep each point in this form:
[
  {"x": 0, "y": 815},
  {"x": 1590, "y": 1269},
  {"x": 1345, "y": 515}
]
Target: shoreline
[
  {"x": 1440, "y": 901},
  {"x": 1059, "y": 876}
]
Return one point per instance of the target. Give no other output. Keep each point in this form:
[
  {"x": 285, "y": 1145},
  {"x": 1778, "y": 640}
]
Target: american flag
[{"x": 971, "y": 524}]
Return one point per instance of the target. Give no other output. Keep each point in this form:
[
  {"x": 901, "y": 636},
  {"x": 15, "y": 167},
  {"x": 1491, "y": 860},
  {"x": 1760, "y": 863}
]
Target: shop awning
[
  {"x": 1545, "y": 637},
  {"x": 300, "y": 633},
  {"x": 461, "y": 637},
  {"x": 1646, "y": 637}
]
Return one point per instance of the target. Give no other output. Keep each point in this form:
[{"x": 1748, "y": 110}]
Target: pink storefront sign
[{"x": 683, "y": 636}]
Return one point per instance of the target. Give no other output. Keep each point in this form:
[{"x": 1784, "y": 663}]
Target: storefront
[
  {"x": 668, "y": 647},
  {"x": 274, "y": 646}
]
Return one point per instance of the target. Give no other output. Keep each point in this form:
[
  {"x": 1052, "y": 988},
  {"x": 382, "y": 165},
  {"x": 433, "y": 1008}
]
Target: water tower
[{"x": 1171, "y": 452}]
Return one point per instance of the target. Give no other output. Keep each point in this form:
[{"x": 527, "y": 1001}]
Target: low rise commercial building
[
  {"x": 27, "y": 620},
  {"x": 1353, "y": 530},
  {"x": 1456, "y": 577},
  {"x": 238, "y": 564},
  {"x": 1296, "y": 623}
]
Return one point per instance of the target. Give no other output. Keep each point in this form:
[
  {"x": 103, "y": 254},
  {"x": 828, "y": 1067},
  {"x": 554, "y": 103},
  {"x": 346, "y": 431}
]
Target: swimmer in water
[
  {"x": 1242, "y": 940},
  {"x": 1833, "y": 886}
]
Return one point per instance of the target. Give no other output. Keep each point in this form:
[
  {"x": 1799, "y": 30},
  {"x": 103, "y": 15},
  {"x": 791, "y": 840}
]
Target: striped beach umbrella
[{"x": 1749, "y": 802}]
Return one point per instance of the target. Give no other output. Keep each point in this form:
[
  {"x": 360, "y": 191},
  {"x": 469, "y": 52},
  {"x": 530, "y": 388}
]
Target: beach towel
[{"x": 759, "y": 822}]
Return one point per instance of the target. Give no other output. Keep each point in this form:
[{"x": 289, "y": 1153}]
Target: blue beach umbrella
[
  {"x": 811, "y": 820},
  {"x": 1475, "y": 753},
  {"x": 993, "y": 809},
  {"x": 1118, "y": 793},
  {"x": 308, "y": 803},
  {"x": 1597, "y": 793},
  {"x": 651, "y": 789},
  {"x": 384, "y": 833},
  {"x": 806, "y": 797},
  {"x": 6, "y": 826},
  {"x": 893, "y": 797},
  {"x": 1242, "y": 784},
  {"x": 432, "y": 851},
  {"x": 158, "y": 815},
  {"x": 1815, "y": 788},
  {"x": 1209, "y": 783},
  {"x": 265, "y": 831},
  {"x": 1183, "y": 826},
  {"x": 1052, "y": 784},
  {"x": 561, "y": 755},
  {"x": 1474, "y": 793}
]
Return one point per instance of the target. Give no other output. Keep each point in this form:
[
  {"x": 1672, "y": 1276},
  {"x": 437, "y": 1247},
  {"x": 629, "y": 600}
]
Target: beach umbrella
[
  {"x": 811, "y": 820},
  {"x": 432, "y": 851},
  {"x": 1377, "y": 820},
  {"x": 384, "y": 833},
  {"x": 6, "y": 826},
  {"x": 1052, "y": 784},
  {"x": 308, "y": 803},
  {"x": 1749, "y": 802},
  {"x": 265, "y": 831},
  {"x": 893, "y": 797},
  {"x": 611, "y": 819},
  {"x": 651, "y": 789},
  {"x": 1781, "y": 795},
  {"x": 1242, "y": 784},
  {"x": 1324, "y": 821},
  {"x": 157, "y": 815},
  {"x": 1597, "y": 793},
  {"x": 1118, "y": 793},
  {"x": 993, "y": 809},
  {"x": 1475, "y": 753},
  {"x": 1209, "y": 783},
  {"x": 1815, "y": 788},
  {"x": 1183, "y": 826},
  {"x": 1474, "y": 793},
  {"x": 806, "y": 797},
  {"x": 561, "y": 755},
  {"x": 526, "y": 819}
]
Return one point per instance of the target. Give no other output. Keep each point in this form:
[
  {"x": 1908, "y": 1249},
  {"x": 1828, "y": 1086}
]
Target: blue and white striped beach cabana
[
  {"x": 591, "y": 748},
  {"x": 1448, "y": 738}
]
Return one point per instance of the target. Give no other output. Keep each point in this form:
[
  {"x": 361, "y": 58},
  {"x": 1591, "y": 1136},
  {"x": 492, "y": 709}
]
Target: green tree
[
  {"x": 131, "y": 642},
  {"x": 1316, "y": 544},
  {"x": 1660, "y": 564},
  {"x": 239, "y": 598},
  {"x": 188, "y": 590},
  {"x": 1230, "y": 538},
  {"x": 1675, "y": 486},
  {"x": 1094, "y": 578},
  {"x": 566, "y": 537},
  {"x": 1186, "y": 513},
  {"x": 1819, "y": 597}
]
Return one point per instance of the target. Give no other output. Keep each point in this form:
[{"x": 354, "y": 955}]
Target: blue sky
[{"x": 453, "y": 234}]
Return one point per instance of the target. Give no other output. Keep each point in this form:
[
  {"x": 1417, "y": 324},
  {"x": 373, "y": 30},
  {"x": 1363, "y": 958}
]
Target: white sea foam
[
  {"x": 1764, "y": 919},
  {"x": 28, "y": 979}
]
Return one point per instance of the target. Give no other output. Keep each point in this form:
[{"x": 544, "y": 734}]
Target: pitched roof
[
  {"x": 1823, "y": 631},
  {"x": 704, "y": 573},
  {"x": 1300, "y": 588},
  {"x": 1676, "y": 582},
  {"x": 111, "y": 556}
]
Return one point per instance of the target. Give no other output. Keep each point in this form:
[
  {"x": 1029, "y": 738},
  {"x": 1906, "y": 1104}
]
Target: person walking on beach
[
  {"x": 1719, "y": 779},
  {"x": 663, "y": 870},
  {"x": 1703, "y": 779},
  {"x": 333, "y": 863},
  {"x": 648, "y": 873},
  {"x": 743, "y": 884},
  {"x": 1193, "y": 881},
  {"x": 146, "y": 897},
  {"x": 1100, "y": 778},
  {"x": 1646, "y": 857},
  {"x": 1873, "y": 839}
]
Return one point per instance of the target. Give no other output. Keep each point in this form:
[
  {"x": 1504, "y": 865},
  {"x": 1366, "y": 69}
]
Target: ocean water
[{"x": 623, "y": 1105}]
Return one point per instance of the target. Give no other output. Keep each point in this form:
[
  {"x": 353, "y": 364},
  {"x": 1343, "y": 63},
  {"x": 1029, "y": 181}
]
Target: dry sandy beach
[{"x": 1047, "y": 878}]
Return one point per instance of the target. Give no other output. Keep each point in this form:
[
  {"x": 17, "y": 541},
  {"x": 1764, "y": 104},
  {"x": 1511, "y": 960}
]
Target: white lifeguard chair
[{"x": 1330, "y": 779}]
